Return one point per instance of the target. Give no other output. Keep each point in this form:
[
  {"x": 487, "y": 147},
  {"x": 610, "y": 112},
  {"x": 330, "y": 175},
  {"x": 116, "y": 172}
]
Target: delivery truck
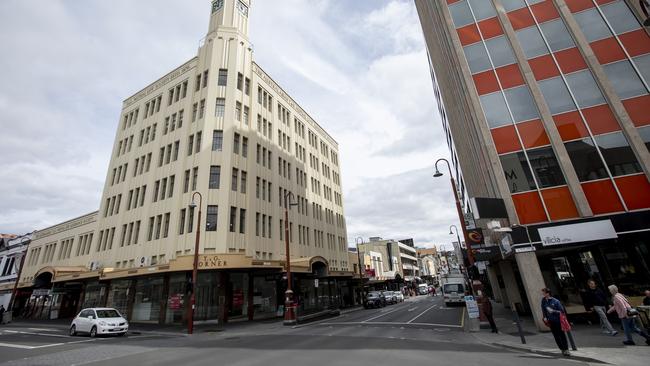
[{"x": 454, "y": 287}]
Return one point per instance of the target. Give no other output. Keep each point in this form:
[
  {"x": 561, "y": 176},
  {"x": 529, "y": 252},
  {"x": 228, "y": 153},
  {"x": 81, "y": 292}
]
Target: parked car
[
  {"x": 399, "y": 295},
  {"x": 99, "y": 321},
  {"x": 374, "y": 299},
  {"x": 390, "y": 296}
]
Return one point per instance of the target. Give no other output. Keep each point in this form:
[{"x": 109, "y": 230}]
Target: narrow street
[{"x": 419, "y": 331}]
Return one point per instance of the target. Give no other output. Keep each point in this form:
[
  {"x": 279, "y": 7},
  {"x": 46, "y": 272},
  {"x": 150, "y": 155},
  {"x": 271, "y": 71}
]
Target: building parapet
[
  {"x": 160, "y": 82},
  {"x": 278, "y": 89},
  {"x": 66, "y": 225}
]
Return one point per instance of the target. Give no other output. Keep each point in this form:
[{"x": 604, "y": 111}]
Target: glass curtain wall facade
[{"x": 608, "y": 169}]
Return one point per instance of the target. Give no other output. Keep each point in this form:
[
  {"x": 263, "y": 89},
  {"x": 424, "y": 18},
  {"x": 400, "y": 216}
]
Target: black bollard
[{"x": 515, "y": 317}]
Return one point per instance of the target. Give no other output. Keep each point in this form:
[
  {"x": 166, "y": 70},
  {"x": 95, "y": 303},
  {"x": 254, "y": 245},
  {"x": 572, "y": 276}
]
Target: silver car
[{"x": 99, "y": 321}]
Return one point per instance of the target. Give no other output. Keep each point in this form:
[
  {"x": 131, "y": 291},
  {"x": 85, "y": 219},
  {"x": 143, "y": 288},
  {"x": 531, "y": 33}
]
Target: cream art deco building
[{"x": 219, "y": 125}]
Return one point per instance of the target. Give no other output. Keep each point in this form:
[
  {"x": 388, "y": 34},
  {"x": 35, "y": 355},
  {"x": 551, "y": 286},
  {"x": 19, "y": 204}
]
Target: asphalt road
[{"x": 420, "y": 331}]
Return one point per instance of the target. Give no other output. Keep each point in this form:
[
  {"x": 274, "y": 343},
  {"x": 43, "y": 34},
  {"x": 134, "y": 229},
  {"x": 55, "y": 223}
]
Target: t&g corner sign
[{"x": 577, "y": 233}]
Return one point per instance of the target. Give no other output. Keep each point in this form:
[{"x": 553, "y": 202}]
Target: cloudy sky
[{"x": 358, "y": 67}]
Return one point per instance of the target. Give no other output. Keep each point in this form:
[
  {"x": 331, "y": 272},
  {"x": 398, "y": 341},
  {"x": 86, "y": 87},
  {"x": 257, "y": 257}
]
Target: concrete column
[
  {"x": 494, "y": 283},
  {"x": 531, "y": 276},
  {"x": 512, "y": 291}
]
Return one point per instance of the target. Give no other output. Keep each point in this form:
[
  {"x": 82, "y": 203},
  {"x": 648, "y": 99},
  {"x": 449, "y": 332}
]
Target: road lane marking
[
  {"x": 40, "y": 334},
  {"x": 391, "y": 323},
  {"x": 413, "y": 309},
  {"x": 422, "y": 313},
  {"x": 380, "y": 315},
  {"x": 44, "y": 330}
]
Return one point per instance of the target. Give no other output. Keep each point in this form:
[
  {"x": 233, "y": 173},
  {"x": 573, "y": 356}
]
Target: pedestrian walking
[
  {"x": 486, "y": 308},
  {"x": 2, "y": 314},
  {"x": 553, "y": 310},
  {"x": 627, "y": 314},
  {"x": 596, "y": 300}
]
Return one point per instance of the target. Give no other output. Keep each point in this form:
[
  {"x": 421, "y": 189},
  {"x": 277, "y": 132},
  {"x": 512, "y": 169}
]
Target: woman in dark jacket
[{"x": 552, "y": 308}]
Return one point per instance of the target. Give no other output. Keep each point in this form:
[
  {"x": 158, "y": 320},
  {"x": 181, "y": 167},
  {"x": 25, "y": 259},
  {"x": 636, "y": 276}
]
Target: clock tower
[{"x": 229, "y": 14}]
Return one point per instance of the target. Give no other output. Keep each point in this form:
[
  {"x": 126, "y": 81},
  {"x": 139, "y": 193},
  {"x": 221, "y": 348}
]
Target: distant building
[
  {"x": 12, "y": 250},
  {"x": 389, "y": 260}
]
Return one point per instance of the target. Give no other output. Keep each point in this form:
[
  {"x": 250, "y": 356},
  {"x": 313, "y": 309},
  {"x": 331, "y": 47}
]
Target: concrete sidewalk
[{"x": 593, "y": 346}]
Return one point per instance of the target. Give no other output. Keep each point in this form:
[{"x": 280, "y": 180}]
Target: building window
[
  {"x": 257, "y": 224},
  {"x": 625, "y": 80},
  {"x": 198, "y": 142},
  {"x": 521, "y": 104},
  {"x": 618, "y": 154},
  {"x": 240, "y": 81},
  {"x": 246, "y": 113},
  {"x": 211, "y": 219},
  {"x": 477, "y": 57},
  {"x": 592, "y": 25},
  {"x": 247, "y": 86},
  {"x": 517, "y": 172},
  {"x": 195, "y": 175},
  {"x": 547, "y": 171},
  {"x": 235, "y": 179},
  {"x": 235, "y": 146},
  {"x": 217, "y": 140},
  {"x": 223, "y": 77},
  {"x": 461, "y": 14},
  {"x": 243, "y": 181},
  {"x": 620, "y": 17},
  {"x": 584, "y": 89},
  {"x": 242, "y": 220},
  {"x": 482, "y": 9},
  {"x": 557, "y": 35},
  {"x": 645, "y": 135},
  {"x": 190, "y": 219},
  {"x": 500, "y": 51},
  {"x": 166, "y": 226},
  {"x": 233, "y": 219},
  {"x": 244, "y": 147},
  {"x": 220, "y": 110},
  {"x": 495, "y": 109},
  {"x": 215, "y": 177},
  {"x": 201, "y": 108},
  {"x": 532, "y": 42},
  {"x": 585, "y": 159},
  {"x": 556, "y": 95},
  {"x": 238, "y": 111},
  {"x": 181, "y": 222}
]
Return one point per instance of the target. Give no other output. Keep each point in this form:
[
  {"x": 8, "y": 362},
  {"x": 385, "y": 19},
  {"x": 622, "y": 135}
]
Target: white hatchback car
[{"x": 99, "y": 321}]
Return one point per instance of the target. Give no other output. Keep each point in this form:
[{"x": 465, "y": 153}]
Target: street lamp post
[
  {"x": 195, "y": 265},
  {"x": 360, "y": 270},
  {"x": 451, "y": 232},
  {"x": 470, "y": 253},
  {"x": 289, "y": 306}
]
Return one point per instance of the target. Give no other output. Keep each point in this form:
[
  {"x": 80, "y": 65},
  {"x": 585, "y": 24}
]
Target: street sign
[{"x": 472, "y": 307}]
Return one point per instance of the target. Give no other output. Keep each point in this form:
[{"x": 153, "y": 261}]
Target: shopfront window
[
  {"x": 94, "y": 295},
  {"x": 148, "y": 296},
  {"x": 118, "y": 296},
  {"x": 264, "y": 296},
  {"x": 176, "y": 299},
  {"x": 238, "y": 288},
  {"x": 207, "y": 296}
]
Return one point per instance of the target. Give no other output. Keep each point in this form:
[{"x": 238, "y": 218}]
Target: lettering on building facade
[
  {"x": 160, "y": 82},
  {"x": 66, "y": 226}
]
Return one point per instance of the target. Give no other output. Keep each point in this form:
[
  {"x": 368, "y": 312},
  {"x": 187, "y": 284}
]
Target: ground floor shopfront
[
  {"x": 619, "y": 254},
  {"x": 222, "y": 295}
]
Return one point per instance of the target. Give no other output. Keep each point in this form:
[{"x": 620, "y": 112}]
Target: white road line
[
  {"x": 22, "y": 346},
  {"x": 40, "y": 334},
  {"x": 391, "y": 323},
  {"x": 44, "y": 330},
  {"x": 422, "y": 313},
  {"x": 380, "y": 315},
  {"x": 413, "y": 309}
]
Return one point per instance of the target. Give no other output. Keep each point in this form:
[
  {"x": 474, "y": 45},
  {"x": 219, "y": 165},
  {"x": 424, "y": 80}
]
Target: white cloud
[{"x": 359, "y": 68}]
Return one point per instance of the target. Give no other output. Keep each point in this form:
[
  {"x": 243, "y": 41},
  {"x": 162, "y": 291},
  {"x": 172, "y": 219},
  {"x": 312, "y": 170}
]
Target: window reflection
[
  {"x": 546, "y": 168},
  {"x": 618, "y": 154},
  {"x": 585, "y": 159},
  {"x": 517, "y": 172}
]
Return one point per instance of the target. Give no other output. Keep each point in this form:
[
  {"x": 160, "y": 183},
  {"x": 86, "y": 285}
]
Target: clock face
[
  {"x": 242, "y": 8},
  {"x": 216, "y": 5}
]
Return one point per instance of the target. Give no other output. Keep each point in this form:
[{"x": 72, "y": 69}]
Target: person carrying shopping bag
[
  {"x": 627, "y": 314},
  {"x": 555, "y": 318}
]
